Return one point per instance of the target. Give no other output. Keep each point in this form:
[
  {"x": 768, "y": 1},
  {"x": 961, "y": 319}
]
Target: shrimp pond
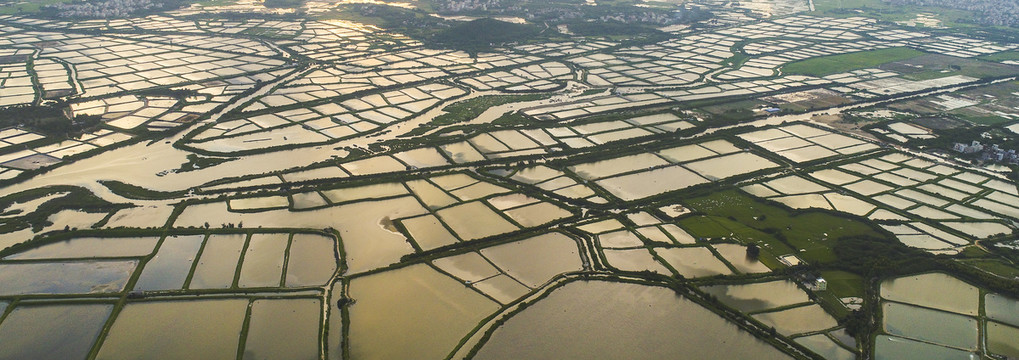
[{"x": 627, "y": 180}]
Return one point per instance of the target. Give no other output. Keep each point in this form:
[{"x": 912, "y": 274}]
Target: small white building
[{"x": 820, "y": 284}]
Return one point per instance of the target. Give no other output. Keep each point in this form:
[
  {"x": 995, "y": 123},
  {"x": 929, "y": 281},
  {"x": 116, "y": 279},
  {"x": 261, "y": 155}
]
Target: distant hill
[
  {"x": 610, "y": 28},
  {"x": 986, "y": 12},
  {"x": 284, "y": 4},
  {"x": 483, "y": 34}
]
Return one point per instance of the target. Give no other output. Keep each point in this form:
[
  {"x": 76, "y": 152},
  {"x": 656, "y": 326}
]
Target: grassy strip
[
  {"x": 76, "y": 198},
  {"x": 953, "y": 19},
  {"x": 779, "y": 230},
  {"x": 136, "y": 192},
  {"x": 827, "y": 65},
  {"x": 467, "y": 110},
  {"x": 1001, "y": 56},
  {"x": 994, "y": 267}
]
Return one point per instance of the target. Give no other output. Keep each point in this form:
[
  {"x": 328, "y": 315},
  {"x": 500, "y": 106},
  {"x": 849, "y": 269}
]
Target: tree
[
  {"x": 856, "y": 323},
  {"x": 753, "y": 251}
]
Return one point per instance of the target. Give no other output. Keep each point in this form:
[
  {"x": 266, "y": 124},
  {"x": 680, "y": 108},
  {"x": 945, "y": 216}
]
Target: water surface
[
  {"x": 51, "y": 331},
  {"x": 173, "y": 330},
  {"x": 283, "y": 329},
  {"x": 606, "y": 320},
  {"x": 68, "y": 277},
  {"x": 412, "y": 313}
]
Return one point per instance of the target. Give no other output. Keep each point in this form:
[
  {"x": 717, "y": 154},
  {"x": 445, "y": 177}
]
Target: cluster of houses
[
  {"x": 988, "y": 153},
  {"x": 103, "y": 9},
  {"x": 990, "y": 12}
]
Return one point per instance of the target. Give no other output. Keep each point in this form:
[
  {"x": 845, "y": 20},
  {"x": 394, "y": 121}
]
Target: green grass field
[
  {"x": 843, "y": 283},
  {"x": 928, "y": 75},
  {"x": 1002, "y": 56},
  {"x": 887, "y": 12},
  {"x": 25, "y": 7},
  {"x": 217, "y": 2},
  {"x": 809, "y": 235},
  {"x": 996, "y": 267},
  {"x": 828, "y": 5},
  {"x": 982, "y": 120},
  {"x": 827, "y": 65},
  {"x": 467, "y": 110}
]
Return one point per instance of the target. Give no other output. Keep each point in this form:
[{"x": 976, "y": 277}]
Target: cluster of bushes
[
  {"x": 52, "y": 120},
  {"x": 285, "y": 4},
  {"x": 76, "y": 198},
  {"x": 484, "y": 34}
]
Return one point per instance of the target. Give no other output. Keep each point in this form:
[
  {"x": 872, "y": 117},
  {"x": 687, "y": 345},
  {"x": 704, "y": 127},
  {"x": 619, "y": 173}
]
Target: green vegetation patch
[
  {"x": 844, "y": 284},
  {"x": 611, "y": 28},
  {"x": 933, "y": 66},
  {"x": 484, "y": 34},
  {"x": 49, "y": 120},
  {"x": 1002, "y": 56},
  {"x": 946, "y": 138},
  {"x": 996, "y": 267},
  {"x": 216, "y": 2},
  {"x": 705, "y": 227},
  {"x": 827, "y": 65},
  {"x": 14, "y": 7},
  {"x": 829, "y": 5},
  {"x": 731, "y": 111},
  {"x": 809, "y": 234},
  {"x": 880, "y": 257},
  {"x": 285, "y": 4},
  {"x": 979, "y": 118},
  {"x": 136, "y": 192},
  {"x": 413, "y": 23},
  {"x": 196, "y": 162},
  {"x": 883, "y": 10},
  {"x": 467, "y": 110},
  {"x": 62, "y": 198}
]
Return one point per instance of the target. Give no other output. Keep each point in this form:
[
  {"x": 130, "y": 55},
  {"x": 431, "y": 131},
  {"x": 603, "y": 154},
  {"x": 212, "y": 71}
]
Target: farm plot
[
  {"x": 107, "y": 65},
  {"x": 802, "y": 143},
  {"x": 962, "y": 202},
  {"x": 673, "y": 249},
  {"x": 539, "y": 77},
  {"x": 383, "y": 222},
  {"x": 915, "y": 319},
  {"x": 642, "y": 175},
  {"x": 322, "y": 123}
]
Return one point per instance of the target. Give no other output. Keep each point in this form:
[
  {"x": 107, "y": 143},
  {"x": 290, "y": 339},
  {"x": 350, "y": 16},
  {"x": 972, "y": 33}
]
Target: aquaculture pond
[
  {"x": 896, "y": 348},
  {"x": 826, "y": 347},
  {"x": 307, "y": 187},
  {"x": 428, "y": 311},
  {"x": 283, "y": 328},
  {"x": 1001, "y": 339},
  {"x": 51, "y": 331},
  {"x": 930, "y": 325},
  {"x": 65, "y": 277},
  {"x": 176, "y": 330},
  {"x": 600, "y": 319},
  {"x": 758, "y": 296},
  {"x": 934, "y": 290}
]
